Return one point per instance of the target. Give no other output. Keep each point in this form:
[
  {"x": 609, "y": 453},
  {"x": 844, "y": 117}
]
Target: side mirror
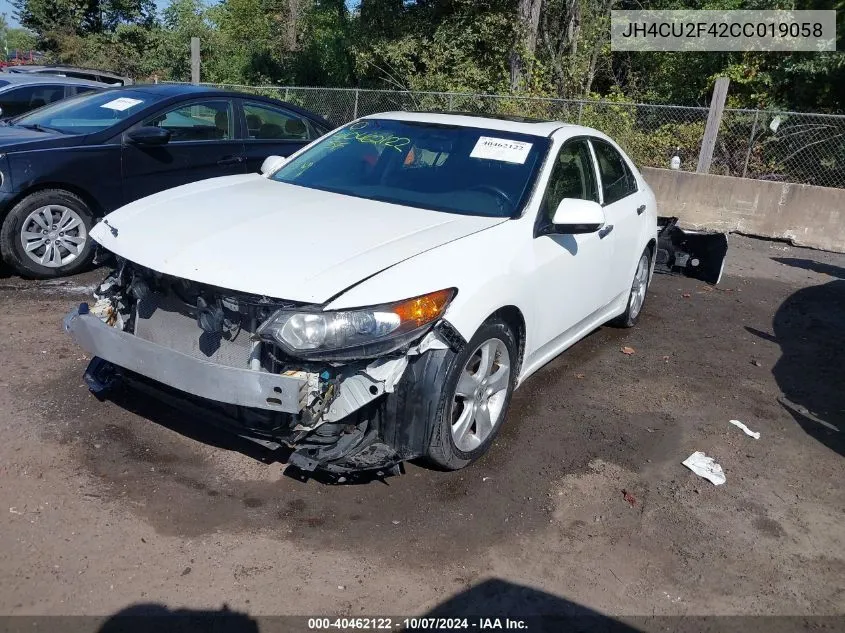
[
  {"x": 1, "y": 112},
  {"x": 271, "y": 164},
  {"x": 149, "y": 135},
  {"x": 578, "y": 216}
]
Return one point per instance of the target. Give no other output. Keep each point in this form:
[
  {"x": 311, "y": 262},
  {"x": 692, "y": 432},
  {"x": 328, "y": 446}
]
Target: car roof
[
  {"x": 504, "y": 123},
  {"x": 175, "y": 90},
  {"x": 19, "y": 79},
  {"x": 24, "y": 69}
]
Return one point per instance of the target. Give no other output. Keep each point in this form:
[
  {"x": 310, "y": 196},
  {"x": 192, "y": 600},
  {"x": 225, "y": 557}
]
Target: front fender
[{"x": 457, "y": 265}]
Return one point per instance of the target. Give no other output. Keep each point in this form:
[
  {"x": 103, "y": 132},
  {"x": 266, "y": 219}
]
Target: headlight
[{"x": 344, "y": 334}]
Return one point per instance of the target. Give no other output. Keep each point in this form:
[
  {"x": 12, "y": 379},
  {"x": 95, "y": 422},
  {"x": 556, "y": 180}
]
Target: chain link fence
[{"x": 781, "y": 146}]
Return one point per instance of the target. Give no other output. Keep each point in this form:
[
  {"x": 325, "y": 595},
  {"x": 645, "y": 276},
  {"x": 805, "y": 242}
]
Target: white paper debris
[
  {"x": 501, "y": 149},
  {"x": 746, "y": 430},
  {"x": 775, "y": 124},
  {"x": 121, "y": 103},
  {"x": 706, "y": 467}
]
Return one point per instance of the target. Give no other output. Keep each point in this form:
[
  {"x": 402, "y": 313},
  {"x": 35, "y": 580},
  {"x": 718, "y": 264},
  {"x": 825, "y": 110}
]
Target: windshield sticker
[
  {"x": 121, "y": 103},
  {"x": 357, "y": 132},
  {"x": 501, "y": 149}
]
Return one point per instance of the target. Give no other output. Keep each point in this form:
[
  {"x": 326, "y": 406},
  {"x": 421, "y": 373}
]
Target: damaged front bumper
[
  {"x": 232, "y": 385},
  {"x": 333, "y": 416}
]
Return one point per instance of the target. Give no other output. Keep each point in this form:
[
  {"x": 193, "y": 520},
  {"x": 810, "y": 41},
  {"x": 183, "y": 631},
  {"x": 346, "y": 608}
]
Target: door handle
[
  {"x": 605, "y": 230},
  {"x": 640, "y": 209},
  {"x": 230, "y": 160}
]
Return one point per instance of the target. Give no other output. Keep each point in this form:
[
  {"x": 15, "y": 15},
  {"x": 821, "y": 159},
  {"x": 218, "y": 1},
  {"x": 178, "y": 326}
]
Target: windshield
[
  {"x": 472, "y": 171},
  {"x": 89, "y": 113}
]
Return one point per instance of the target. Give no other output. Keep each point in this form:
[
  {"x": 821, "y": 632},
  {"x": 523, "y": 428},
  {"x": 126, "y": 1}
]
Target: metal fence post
[
  {"x": 714, "y": 120},
  {"x": 580, "y": 109},
  {"x": 451, "y": 102},
  {"x": 195, "y": 60},
  {"x": 750, "y": 142},
  {"x": 287, "y": 93},
  {"x": 355, "y": 107}
]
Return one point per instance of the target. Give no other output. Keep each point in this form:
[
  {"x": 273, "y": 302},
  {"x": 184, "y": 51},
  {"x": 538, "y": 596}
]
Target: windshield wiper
[{"x": 40, "y": 128}]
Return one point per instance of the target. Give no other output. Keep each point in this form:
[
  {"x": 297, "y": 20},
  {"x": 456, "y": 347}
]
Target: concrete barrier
[{"x": 804, "y": 214}]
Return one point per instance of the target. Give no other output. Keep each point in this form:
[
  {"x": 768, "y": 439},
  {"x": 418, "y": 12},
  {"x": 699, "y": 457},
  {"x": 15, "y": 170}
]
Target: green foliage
[
  {"x": 20, "y": 39},
  {"x": 431, "y": 45}
]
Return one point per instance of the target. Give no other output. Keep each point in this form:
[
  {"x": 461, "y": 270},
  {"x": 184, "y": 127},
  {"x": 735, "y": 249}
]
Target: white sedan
[{"x": 379, "y": 295}]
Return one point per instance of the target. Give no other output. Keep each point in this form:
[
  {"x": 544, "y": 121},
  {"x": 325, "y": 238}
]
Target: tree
[
  {"x": 54, "y": 21},
  {"x": 528, "y": 21}
]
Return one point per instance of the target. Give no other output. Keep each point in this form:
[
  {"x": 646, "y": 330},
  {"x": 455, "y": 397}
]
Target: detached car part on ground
[{"x": 380, "y": 295}]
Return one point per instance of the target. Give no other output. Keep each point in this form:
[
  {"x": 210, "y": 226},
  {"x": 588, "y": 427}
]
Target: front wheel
[
  {"x": 47, "y": 235},
  {"x": 475, "y": 399},
  {"x": 636, "y": 297}
]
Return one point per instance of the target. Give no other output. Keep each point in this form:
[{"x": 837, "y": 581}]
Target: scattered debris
[
  {"x": 631, "y": 499},
  {"x": 185, "y": 571},
  {"x": 756, "y": 363},
  {"x": 14, "y": 510},
  {"x": 706, "y": 467},
  {"x": 800, "y": 408},
  {"x": 341, "y": 587},
  {"x": 579, "y": 376},
  {"x": 627, "y": 350},
  {"x": 666, "y": 359},
  {"x": 486, "y": 478},
  {"x": 746, "y": 430},
  {"x": 686, "y": 295},
  {"x": 395, "y": 522}
]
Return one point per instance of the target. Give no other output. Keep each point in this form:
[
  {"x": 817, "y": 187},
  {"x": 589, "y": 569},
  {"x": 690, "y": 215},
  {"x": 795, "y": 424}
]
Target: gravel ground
[{"x": 583, "y": 496}]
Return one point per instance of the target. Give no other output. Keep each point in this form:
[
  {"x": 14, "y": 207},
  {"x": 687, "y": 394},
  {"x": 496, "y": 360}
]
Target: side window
[
  {"x": 28, "y": 98},
  {"x": 198, "y": 121},
  {"x": 266, "y": 122},
  {"x": 617, "y": 181},
  {"x": 572, "y": 176},
  {"x": 81, "y": 90}
]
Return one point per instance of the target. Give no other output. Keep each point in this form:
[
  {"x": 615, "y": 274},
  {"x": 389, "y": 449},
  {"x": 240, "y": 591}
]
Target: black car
[
  {"x": 67, "y": 164},
  {"x": 20, "y": 94}
]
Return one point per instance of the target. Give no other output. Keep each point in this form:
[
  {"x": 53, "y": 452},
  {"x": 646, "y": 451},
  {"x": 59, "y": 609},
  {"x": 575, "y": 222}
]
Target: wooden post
[
  {"x": 195, "y": 60},
  {"x": 714, "y": 120}
]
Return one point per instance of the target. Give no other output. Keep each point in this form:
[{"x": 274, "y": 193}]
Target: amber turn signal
[{"x": 424, "y": 309}]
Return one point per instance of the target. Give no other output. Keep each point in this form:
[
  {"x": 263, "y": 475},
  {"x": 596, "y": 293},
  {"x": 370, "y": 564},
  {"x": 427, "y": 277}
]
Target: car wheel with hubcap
[
  {"x": 475, "y": 399},
  {"x": 47, "y": 235},
  {"x": 639, "y": 288}
]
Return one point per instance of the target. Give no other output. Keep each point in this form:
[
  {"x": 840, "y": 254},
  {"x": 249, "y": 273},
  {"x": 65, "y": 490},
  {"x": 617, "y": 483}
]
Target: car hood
[
  {"x": 256, "y": 235},
  {"x": 12, "y": 136}
]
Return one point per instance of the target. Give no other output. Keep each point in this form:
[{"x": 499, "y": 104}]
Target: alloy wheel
[
  {"x": 480, "y": 394},
  {"x": 53, "y": 235}
]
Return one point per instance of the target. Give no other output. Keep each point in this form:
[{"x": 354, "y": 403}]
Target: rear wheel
[
  {"x": 47, "y": 235},
  {"x": 475, "y": 399},
  {"x": 636, "y": 297}
]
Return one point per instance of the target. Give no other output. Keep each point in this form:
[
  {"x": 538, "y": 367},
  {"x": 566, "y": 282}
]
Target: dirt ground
[{"x": 104, "y": 505}]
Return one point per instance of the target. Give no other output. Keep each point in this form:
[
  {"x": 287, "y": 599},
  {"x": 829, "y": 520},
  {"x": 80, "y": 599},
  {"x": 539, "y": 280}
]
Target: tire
[
  {"x": 444, "y": 451},
  {"x": 31, "y": 215},
  {"x": 640, "y": 283}
]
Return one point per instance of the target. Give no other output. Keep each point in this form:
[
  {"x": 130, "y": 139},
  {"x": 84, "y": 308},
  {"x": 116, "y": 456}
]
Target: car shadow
[
  {"x": 188, "y": 420},
  {"x": 492, "y": 604},
  {"x": 193, "y": 421},
  {"x": 809, "y": 327},
  {"x": 809, "y": 264}
]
